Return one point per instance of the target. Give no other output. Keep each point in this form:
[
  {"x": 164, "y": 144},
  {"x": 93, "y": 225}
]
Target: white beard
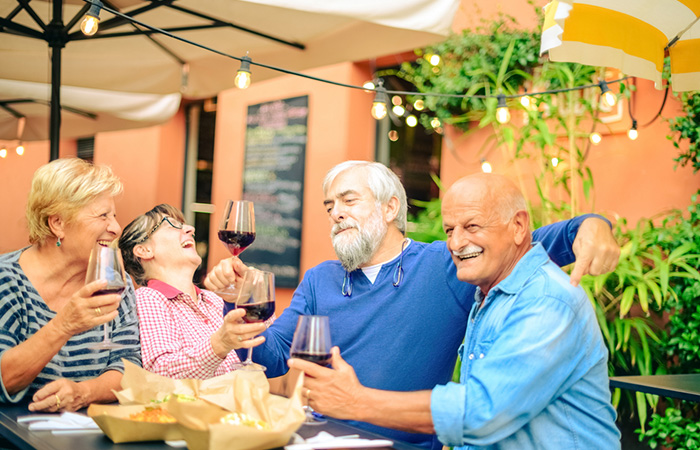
[{"x": 353, "y": 251}]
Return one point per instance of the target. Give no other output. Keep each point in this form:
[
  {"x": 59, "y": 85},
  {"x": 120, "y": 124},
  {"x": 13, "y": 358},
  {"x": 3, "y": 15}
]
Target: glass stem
[
  {"x": 106, "y": 339},
  {"x": 249, "y": 359}
]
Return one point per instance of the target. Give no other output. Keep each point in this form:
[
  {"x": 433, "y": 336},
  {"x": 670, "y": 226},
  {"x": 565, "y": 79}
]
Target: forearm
[
  {"x": 407, "y": 411},
  {"x": 99, "y": 390},
  {"x": 21, "y": 365}
]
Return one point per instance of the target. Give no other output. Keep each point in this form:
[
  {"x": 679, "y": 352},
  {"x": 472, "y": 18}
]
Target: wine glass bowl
[
  {"x": 106, "y": 264},
  {"x": 312, "y": 342},
  {"x": 237, "y": 228},
  {"x": 257, "y": 297}
]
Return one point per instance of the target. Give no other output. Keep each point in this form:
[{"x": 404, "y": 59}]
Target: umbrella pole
[{"x": 56, "y": 42}]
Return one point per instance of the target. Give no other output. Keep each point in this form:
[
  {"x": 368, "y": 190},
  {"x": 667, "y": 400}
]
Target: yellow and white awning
[{"x": 630, "y": 35}]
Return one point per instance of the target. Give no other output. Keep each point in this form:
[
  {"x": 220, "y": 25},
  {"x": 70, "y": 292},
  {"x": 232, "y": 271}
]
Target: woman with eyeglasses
[
  {"x": 49, "y": 317},
  {"x": 183, "y": 331}
]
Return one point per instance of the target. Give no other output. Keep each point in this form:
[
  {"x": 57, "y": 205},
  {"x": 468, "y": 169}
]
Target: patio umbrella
[
  {"x": 24, "y": 110},
  {"x": 631, "y": 35},
  {"x": 126, "y": 57}
]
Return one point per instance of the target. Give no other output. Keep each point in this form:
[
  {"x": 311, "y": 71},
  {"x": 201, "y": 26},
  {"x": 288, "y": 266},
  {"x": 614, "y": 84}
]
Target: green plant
[
  {"x": 687, "y": 127},
  {"x": 672, "y": 430}
]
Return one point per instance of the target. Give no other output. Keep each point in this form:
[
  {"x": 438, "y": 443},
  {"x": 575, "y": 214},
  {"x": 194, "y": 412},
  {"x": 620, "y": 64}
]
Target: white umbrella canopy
[
  {"x": 631, "y": 35},
  {"x": 330, "y": 31},
  {"x": 24, "y": 110}
]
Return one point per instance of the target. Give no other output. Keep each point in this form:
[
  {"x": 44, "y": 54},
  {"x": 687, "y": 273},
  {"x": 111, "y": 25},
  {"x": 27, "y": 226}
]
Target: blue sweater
[{"x": 401, "y": 338}]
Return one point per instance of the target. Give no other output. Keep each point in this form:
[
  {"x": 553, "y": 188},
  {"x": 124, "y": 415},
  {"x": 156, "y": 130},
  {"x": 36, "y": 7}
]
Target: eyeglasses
[{"x": 172, "y": 222}]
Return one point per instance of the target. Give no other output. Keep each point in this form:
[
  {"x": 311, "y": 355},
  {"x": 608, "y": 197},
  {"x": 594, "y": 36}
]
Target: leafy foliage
[
  {"x": 672, "y": 430},
  {"x": 687, "y": 127}
]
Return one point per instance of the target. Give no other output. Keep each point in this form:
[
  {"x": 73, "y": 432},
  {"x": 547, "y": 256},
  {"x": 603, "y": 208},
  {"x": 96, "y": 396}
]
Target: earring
[{"x": 58, "y": 242}]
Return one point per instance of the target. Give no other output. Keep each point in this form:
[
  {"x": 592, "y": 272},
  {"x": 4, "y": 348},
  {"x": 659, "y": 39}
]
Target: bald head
[{"x": 487, "y": 226}]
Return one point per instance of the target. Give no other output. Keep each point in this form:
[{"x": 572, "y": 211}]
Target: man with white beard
[{"x": 395, "y": 306}]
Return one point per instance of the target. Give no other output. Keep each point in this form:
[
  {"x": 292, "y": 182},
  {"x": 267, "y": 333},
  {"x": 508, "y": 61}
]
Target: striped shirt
[
  {"x": 176, "y": 332},
  {"x": 23, "y": 312}
]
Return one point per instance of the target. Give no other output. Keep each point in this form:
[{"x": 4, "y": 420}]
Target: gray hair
[{"x": 383, "y": 183}]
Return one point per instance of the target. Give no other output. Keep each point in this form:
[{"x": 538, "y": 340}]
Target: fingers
[
  {"x": 580, "y": 269},
  {"x": 223, "y": 274}
]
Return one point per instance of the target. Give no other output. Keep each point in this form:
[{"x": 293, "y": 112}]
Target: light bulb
[
  {"x": 434, "y": 60},
  {"x": 393, "y": 135},
  {"x": 632, "y": 132},
  {"x": 411, "y": 121},
  {"x": 3, "y": 152},
  {"x": 242, "y": 80},
  {"x": 419, "y": 104},
  {"x": 527, "y": 102},
  {"x": 486, "y": 166},
  {"x": 396, "y": 100},
  {"x": 379, "y": 110},
  {"x": 398, "y": 110},
  {"x": 502, "y": 113},
  {"x": 595, "y": 138},
  {"x": 20, "y": 149},
  {"x": 555, "y": 161},
  {"x": 609, "y": 98},
  {"x": 435, "y": 122},
  {"x": 91, "y": 21},
  {"x": 369, "y": 86}
]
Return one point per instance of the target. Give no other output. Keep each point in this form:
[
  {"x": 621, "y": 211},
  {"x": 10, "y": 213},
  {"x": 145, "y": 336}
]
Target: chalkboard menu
[{"x": 273, "y": 178}]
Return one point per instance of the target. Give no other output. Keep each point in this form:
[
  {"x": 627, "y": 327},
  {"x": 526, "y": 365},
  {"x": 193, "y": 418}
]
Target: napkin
[
  {"x": 66, "y": 421},
  {"x": 325, "y": 440}
]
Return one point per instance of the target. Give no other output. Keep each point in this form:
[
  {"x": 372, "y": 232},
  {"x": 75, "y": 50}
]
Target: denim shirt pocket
[{"x": 481, "y": 350}]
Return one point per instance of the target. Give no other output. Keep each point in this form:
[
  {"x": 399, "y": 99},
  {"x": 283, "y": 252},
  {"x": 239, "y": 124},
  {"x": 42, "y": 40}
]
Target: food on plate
[
  {"x": 244, "y": 419},
  {"x": 178, "y": 397},
  {"x": 153, "y": 414}
]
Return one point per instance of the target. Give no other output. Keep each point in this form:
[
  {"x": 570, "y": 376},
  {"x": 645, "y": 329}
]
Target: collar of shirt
[{"x": 169, "y": 291}]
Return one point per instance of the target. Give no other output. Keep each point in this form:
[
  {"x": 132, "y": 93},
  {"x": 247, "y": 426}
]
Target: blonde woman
[
  {"x": 183, "y": 331},
  {"x": 48, "y": 315}
]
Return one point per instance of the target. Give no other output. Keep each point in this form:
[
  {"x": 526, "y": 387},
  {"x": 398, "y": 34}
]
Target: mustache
[
  {"x": 344, "y": 225},
  {"x": 468, "y": 250}
]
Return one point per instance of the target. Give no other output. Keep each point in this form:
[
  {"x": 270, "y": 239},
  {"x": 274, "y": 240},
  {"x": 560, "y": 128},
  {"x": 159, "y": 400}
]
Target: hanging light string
[{"x": 248, "y": 61}]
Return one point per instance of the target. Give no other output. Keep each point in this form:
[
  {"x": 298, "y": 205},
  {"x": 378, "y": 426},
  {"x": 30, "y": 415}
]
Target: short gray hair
[{"x": 383, "y": 183}]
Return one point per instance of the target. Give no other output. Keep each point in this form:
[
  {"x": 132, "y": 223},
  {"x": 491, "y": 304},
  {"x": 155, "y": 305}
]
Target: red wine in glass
[
  {"x": 236, "y": 241},
  {"x": 237, "y": 227},
  {"x": 110, "y": 290},
  {"x": 257, "y": 312},
  {"x": 322, "y": 359},
  {"x": 257, "y": 297},
  {"x": 106, "y": 264}
]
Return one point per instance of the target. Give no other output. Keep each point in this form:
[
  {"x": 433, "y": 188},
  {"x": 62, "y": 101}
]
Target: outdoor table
[
  {"x": 684, "y": 387},
  {"x": 20, "y": 436}
]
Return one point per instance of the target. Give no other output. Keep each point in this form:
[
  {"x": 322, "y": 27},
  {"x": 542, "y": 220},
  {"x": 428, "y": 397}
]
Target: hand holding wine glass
[
  {"x": 257, "y": 297},
  {"x": 106, "y": 264},
  {"x": 312, "y": 342}
]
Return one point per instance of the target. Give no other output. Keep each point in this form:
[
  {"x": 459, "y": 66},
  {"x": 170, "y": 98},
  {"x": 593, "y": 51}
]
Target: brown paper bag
[{"x": 242, "y": 391}]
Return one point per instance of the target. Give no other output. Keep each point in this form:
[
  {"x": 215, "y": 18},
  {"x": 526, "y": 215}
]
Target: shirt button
[
  {"x": 471, "y": 356},
  {"x": 481, "y": 356}
]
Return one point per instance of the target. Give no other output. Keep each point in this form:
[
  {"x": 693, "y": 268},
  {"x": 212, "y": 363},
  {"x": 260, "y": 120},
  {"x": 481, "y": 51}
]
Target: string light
[
  {"x": 91, "y": 21},
  {"x": 595, "y": 138},
  {"x": 555, "y": 161},
  {"x": 486, "y": 166},
  {"x": 632, "y": 133},
  {"x": 20, "y": 149},
  {"x": 393, "y": 135},
  {"x": 609, "y": 97},
  {"x": 398, "y": 110},
  {"x": 502, "y": 113},
  {"x": 435, "y": 122},
  {"x": 379, "y": 105},
  {"x": 396, "y": 100},
  {"x": 434, "y": 60},
  {"x": 419, "y": 104},
  {"x": 242, "y": 80},
  {"x": 3, "y": 152},
  {"x": 369, "y": 86},
  {"x": 411, "y": 121}
]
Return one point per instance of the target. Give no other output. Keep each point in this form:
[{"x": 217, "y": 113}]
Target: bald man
[{"x": 534, "y": 365}]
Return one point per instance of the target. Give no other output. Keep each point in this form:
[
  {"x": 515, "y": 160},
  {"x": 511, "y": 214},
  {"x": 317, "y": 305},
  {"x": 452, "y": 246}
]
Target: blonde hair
[
  {"x": 63, "y": 187},
  {"x": 137, "y": 232}
]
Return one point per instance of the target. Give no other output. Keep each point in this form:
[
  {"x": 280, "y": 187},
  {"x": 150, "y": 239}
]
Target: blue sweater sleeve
[
  {"x": 558, "y": 238},
  {"x": 274, "y": 352}
]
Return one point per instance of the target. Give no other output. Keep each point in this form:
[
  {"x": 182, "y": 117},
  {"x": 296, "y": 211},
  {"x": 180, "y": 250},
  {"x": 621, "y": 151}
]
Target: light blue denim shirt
[{"x": 534, "y": 368}]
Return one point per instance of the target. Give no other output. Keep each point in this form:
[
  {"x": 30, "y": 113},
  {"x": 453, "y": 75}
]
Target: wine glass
[
  {"x": 237, "y": 228},
  {"x": 257, "y": 297},
  {"x": 106, "y": 264},
  {"x": 312, "y": 342}
]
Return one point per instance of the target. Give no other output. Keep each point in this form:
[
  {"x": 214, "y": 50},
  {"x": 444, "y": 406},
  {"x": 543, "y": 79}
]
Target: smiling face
[
  {"x": 357, "y": 222},
  {"x": 172, "y": 245},
  {"x": 485, "y": 238},
  {"x": 95, "y": 222}
]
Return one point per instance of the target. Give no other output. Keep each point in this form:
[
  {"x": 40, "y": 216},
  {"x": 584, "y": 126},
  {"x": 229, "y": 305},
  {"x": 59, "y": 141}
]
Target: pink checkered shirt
[{"x": 176, "y": 332}]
